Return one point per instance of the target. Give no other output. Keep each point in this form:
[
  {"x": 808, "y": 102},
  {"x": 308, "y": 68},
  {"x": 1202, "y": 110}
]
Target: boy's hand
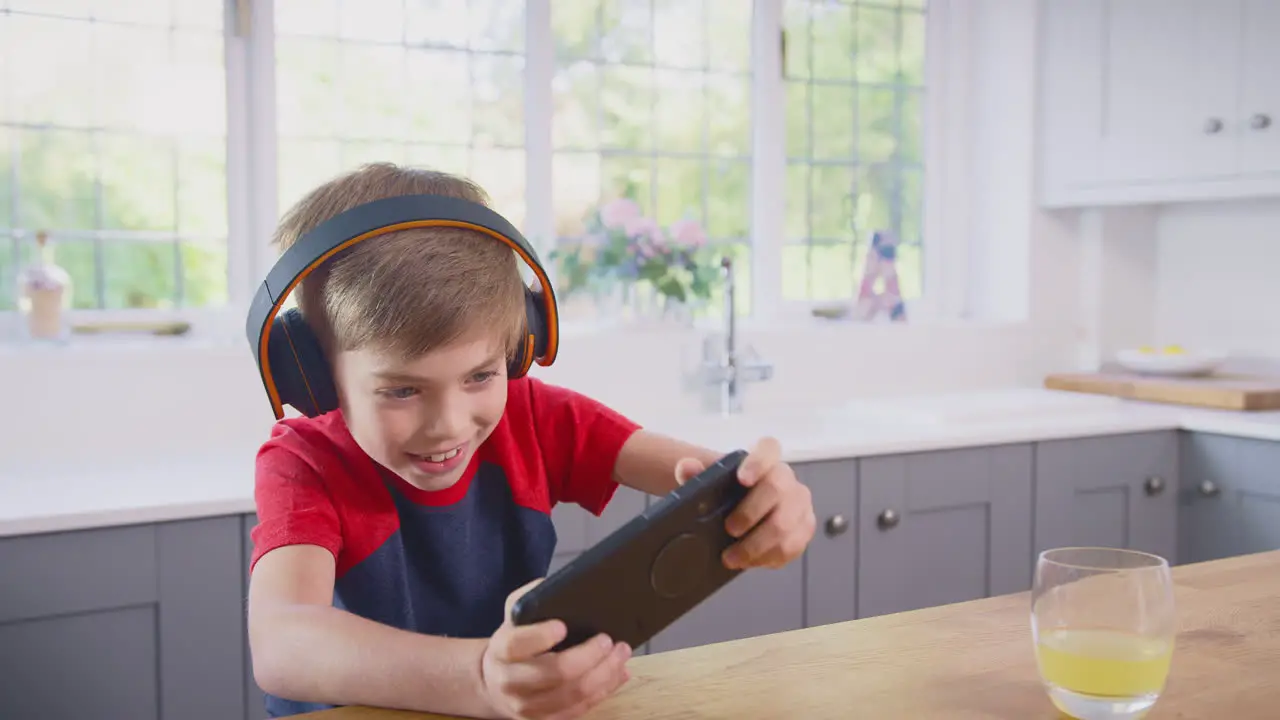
[
  {"x": 776, "y": 516},
  {"x": 524, "y": 680}
]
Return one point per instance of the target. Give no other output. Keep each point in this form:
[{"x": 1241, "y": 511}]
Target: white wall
[
  {"x": 1218, "y": 276},
  {"x": 120, "y": 404}
]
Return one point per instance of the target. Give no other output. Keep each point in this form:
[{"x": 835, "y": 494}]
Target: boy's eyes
[{"x": 404, "y": 393}]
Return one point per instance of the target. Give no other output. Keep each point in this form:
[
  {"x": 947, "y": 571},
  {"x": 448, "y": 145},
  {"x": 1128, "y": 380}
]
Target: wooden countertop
[{"x": 960, "y": 662}]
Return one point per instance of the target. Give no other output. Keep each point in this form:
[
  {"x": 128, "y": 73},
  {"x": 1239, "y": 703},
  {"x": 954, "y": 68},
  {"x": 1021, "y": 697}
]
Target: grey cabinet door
[
  {"x": 758, "y": 602},
  {"x": 255, "y": 703},
  {"x": 1111, "y": 491},
  {"x": 201, "y": 619},
  {"x": 831, "y": 560},
  {"x": 131, "y": 622},
  {"x": 577, "y": 529},
  {"x": 1230, "y": 497},
  {"x": 78, "y": 630},
  {"x": 943, "y": 527}
]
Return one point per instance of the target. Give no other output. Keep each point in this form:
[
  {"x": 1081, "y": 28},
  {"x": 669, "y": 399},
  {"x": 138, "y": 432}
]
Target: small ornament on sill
[
  {"x": 44, "y": 294},
  {"x": 882, "y": 266}
]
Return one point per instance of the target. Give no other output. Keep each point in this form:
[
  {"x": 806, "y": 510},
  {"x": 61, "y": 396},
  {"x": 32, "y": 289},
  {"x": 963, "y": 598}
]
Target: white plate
[{"x": 1156, "y": 363}]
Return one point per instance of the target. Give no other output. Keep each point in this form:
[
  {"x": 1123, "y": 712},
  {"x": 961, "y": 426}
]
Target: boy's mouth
[
  {"x": 442, "y": 462},
  {"x": 441, "y": 457}
]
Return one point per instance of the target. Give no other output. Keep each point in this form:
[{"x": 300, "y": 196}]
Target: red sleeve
[
  {"x": 580, "y": 439},
  {"x": 294, "y": 507}
]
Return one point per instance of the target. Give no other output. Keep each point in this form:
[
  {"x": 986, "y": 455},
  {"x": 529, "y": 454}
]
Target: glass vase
[{"x": 44, "y": 296}]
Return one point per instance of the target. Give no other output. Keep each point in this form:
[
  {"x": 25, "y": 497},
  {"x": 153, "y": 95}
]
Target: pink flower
[
  {"x": 617, "y": 213},
  {"x": 641, "y": 227},
  {"x": 688, "y": 233}
]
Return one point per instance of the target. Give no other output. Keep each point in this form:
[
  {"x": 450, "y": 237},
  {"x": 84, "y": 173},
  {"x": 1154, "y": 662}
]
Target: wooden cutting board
[{"x": 1223, "y": 392}]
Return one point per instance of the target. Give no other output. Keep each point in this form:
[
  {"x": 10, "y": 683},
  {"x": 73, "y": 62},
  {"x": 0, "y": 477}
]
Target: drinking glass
[{"x": 1103, "y": 624}]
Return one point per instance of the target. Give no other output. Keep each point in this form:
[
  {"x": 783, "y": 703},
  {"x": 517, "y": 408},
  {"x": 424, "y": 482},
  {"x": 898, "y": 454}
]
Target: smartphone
[{"x": 646, "y": 574}]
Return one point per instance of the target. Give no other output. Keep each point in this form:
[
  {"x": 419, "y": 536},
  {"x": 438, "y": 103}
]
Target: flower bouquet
[{"x": 624, "y": 248}]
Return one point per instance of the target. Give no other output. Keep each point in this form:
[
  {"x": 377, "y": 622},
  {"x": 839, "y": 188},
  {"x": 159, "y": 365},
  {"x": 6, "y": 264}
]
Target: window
[
  {"x": 438, "y": 84},
  {"x": 652, "y": 103},
  {"x": 854, "y": 96},
  {"x": 113, "y": 139},
  {"x": 158, "y": 142}
]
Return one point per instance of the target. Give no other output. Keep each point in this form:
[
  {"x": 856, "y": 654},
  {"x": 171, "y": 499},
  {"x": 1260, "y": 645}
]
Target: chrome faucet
[{"x": 722, "y": 365}]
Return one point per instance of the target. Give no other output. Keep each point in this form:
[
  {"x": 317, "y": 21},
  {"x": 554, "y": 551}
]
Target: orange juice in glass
[{"x": 1103, "y": 623}]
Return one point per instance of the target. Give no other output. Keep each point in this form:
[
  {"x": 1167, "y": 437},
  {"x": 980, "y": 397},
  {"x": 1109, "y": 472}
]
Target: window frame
[{"x": 251, "y": 163}]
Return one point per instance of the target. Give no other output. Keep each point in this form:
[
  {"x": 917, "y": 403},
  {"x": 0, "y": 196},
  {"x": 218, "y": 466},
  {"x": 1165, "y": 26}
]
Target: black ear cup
[
  {"x": 535, "y": 309},
  {"x": 534, "y": 343},
  {"x": 302, "y": 375}
]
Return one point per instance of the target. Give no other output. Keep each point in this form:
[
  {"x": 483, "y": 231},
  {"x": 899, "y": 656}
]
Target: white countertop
[{"x": 35, "y": 500}]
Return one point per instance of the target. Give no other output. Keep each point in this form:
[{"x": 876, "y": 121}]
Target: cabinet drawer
[
  {"x": 74, "y": 572},
  {"x": 98, "y": 664}
]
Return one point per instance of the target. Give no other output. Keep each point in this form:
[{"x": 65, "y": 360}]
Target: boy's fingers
[
  {"x": 759, "y": 461},
  {"x": 687, "y": 469},
  {"x": 759, "y": 502},
  {"x": 514, "y": 644},
  {"x": 603, "y": 675},
  {"x": 578, "y": 660},
  {"x": 550, "y": 671},
  {"x": 515, "y": 595}
]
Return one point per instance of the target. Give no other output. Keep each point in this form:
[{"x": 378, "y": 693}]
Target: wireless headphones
[{"x": 290, "y": 360}]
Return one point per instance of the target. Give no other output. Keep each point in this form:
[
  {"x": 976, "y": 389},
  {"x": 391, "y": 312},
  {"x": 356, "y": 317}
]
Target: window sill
[
  {"x": 570, "y": 329},
  {"x": 210, "y": 330}
]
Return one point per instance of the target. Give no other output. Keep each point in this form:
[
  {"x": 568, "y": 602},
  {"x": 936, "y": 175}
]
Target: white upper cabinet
[
  {"x": 1145, "y": 101},
  {"x": 1258, "y": 110}
]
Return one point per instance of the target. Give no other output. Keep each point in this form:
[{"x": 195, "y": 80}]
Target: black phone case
[{"x": 649, "y": 572}]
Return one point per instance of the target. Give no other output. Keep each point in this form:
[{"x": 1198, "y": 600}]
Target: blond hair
[{"x": 410, "y": 291}]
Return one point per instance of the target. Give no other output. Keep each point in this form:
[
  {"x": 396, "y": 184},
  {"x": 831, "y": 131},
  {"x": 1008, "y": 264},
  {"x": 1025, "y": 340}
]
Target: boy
[{"x": 395, "y": 532}]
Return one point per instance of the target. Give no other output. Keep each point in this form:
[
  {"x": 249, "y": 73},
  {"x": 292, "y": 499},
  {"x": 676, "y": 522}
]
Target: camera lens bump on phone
[{"x": 680, "y": 566}]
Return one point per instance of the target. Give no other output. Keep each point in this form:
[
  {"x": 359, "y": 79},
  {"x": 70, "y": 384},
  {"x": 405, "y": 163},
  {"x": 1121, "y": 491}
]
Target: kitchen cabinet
[
  {"x": 1259, "y": 104},
  {"x": 831, "y": 560},
  {"x": 148, "y": 621},
  {"x": 254, "y": 701},
  {"x": 1114, "y": 491},
  {"x": 1147, "y": 101},
  {"x": 760, "y": 601},
  {"x": 132, "y": 622},
  {"x": 943, "y": 527},
  {"x": 577, "y": 529},
  {"x": 1229, "y": 497}
]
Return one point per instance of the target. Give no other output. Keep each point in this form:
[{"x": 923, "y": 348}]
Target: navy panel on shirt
[{"x": 448, "y": 569}]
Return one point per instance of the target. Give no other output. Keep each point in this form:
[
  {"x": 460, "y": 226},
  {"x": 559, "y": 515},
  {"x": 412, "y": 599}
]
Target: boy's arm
[
  {"x": 590, "y": 448},
  {"x": 305, "y": 649},
  {"x": 647, "y": 461}
]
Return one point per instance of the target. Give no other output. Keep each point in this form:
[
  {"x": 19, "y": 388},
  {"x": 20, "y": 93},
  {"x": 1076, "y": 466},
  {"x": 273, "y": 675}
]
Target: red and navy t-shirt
[{"x": 437, "y": 562}]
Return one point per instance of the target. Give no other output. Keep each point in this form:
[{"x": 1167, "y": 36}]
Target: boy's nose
[{"x": 448, "y": 423}]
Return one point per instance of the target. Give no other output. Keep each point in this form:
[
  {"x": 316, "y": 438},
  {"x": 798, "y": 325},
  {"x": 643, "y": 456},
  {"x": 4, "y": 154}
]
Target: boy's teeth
[{"x": 442, "y": 458}]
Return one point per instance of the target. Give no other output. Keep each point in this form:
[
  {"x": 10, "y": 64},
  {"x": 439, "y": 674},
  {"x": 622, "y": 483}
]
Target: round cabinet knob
[
  {"x": 1261, "y": 121},
  {"x": 887, "y": 519},
  {"x": 1209, "y": 488},
  {"x": 1154, "y": 485},
  {"x": 836, "y": 525},
  {"x": 1212, "y": 126}
]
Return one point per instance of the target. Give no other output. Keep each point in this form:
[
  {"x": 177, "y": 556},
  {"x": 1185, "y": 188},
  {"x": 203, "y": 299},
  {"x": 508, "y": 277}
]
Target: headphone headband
[{"x": 374, "y": 219}]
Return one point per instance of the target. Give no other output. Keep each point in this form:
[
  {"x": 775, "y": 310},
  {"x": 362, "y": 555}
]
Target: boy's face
[{"x": 424, "y": 419}]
